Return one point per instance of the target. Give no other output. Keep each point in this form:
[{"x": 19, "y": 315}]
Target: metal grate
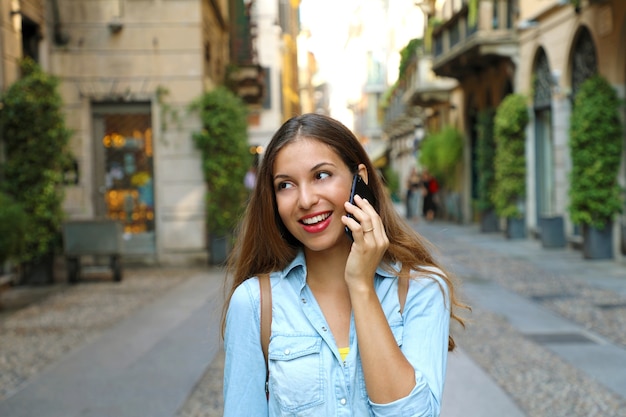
[
  {"x": 611, "y": 306},
  {"x": 559, "y": 338},
  {"x": 540, "y": 298}
]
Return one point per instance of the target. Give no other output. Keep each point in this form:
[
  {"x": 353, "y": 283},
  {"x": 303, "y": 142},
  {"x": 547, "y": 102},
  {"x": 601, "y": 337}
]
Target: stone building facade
[
  {"x": 543, "y": 49},
  {"x": 129, "y": 69}
]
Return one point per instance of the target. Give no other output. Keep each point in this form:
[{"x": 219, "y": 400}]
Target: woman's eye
[
  {"x": 283, "y": 186},
  {"x": 321, "y": 175}
]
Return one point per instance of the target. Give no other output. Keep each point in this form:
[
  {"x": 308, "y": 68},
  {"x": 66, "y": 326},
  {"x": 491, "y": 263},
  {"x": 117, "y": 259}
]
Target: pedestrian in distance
[
  {"x": 358, "y": 327},
  {"x": 249, "y": 180},
  {"x": 430, "y": 188},
  {"x": 413, "y": 195}
]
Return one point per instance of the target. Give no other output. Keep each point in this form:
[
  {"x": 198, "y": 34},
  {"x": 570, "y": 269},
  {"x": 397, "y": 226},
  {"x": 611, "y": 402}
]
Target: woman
[{"x": 339, "y": 341}]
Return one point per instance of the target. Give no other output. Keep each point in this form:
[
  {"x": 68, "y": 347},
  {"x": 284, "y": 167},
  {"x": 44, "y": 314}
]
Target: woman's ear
[{"x": 363, "y": 173}]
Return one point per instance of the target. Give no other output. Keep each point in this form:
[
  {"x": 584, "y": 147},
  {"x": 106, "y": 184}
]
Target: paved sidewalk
[{"x": 145, "y": 366}]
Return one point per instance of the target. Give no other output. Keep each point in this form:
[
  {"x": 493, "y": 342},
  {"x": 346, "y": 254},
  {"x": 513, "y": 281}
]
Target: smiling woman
[{"x": 340, "y": 334}]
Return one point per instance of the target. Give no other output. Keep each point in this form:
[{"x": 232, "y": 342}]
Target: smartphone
[{"x": 361, "y": 188}]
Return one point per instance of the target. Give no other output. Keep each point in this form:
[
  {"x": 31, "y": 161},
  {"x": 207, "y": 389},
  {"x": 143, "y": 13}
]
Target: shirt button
[
  {"x": 287, "y": 351},
  {"x": 323, "y": 328},
  {"x": 343, "y": 401},
  {"x": 304, "y": 301}
]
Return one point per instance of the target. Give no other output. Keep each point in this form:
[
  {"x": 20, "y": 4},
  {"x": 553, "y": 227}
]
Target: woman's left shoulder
[{"x": 428, "y": 280}]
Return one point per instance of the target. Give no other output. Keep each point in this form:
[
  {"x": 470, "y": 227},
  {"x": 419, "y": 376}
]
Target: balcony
[
  {"x": 462, "y": 47},
  {"x": 426, "y": 89}
]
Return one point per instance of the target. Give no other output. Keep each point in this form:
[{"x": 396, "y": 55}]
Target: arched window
[
  {"x": 543, "y": 82},
  {"x": 584, "y": 62}
]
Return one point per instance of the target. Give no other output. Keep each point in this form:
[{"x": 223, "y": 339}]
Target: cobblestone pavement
[
  {"x": 539, "y": 381},
  {"x": 40, "y": 324}
]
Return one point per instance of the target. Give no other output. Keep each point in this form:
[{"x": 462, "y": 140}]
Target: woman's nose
[{"x": 307, "y": 197}]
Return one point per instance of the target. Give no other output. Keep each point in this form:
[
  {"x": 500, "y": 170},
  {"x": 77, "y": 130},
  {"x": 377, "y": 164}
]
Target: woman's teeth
[{"x": 315, "y": 219}]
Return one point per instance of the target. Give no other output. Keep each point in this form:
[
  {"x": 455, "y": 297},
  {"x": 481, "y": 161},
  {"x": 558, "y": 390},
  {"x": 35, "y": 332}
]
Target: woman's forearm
[{"x": 389, "y": 376}]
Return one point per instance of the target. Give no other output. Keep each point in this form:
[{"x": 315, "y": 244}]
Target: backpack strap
[
  {"x": 266, "y": 322},
  {"x": 403, "y": 286}
]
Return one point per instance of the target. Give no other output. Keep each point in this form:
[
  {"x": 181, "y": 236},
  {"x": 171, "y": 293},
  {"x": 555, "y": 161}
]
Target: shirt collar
[{"x": 299, "y": 264}]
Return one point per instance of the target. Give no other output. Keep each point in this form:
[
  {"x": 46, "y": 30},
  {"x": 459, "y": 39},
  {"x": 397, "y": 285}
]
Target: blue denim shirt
[{"x": 307, "y": 375}]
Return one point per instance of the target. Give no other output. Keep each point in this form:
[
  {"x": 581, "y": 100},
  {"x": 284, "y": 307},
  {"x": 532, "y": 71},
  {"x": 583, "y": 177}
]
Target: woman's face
[{"x": 312, "y": 183}]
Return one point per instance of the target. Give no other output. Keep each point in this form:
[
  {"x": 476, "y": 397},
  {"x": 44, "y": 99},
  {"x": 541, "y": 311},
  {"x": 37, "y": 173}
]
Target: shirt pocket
[
  {"x": 397, "y": 329},
  {"x": 296, "y": 372}
]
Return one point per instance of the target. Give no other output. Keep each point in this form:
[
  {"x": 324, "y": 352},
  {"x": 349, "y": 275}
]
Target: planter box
[
  {"x": 515, "y": 228},
  {"x": 489, "y": 222},
  {"x": 39, "y": 272},
  {"x": 552, "y": 232},
  {"x": 598, "y": 244},
  {"x": 219, "y": 250}
]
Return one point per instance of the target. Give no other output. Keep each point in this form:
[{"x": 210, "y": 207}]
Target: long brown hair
[{"x": 263, "y": 242}]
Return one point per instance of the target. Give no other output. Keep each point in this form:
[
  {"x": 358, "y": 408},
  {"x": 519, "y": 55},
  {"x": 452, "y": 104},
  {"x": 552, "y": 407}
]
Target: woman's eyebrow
[
  {"x": 321, "y": 164},
  {"x": 313, "y": 168}
]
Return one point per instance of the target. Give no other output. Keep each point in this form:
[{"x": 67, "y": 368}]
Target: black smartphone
[{"x": 361, "y": 188}]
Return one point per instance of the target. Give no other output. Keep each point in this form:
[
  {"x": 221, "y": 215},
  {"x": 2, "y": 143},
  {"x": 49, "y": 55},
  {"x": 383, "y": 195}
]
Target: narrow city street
[{"x": 546, "y": 338}]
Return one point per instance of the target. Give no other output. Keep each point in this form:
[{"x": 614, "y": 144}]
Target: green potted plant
[
  {"x": 441, "y": 153},
  {"x": 36, "y": 139},
  {"x": 509, "y": 188},
  {"x": 226, "y": 157},
  {"x": 485, "y": 155},
  {"x": 596, "y": 149},
  {"x": 13, "y": 224}
]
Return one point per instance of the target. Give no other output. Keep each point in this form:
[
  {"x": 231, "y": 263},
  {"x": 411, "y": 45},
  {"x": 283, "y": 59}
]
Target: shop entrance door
[{"x": 124, "y": 188}]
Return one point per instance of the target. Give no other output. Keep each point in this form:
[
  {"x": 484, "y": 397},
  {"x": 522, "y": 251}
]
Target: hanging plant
[
  {"x": 472, "y": 12},
  {"x": 596, "y": 149},
  {"x": 407, "y": 54},
  {"x": 510, "y": 156}
]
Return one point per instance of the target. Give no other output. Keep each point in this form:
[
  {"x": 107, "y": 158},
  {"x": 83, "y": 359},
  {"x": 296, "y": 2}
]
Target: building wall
[
  {"x": 160, "y": 57},
  {"x": 267, "y": 118},
  {"x": 11, "y": 14},
  {"x": 289, "y": 78},
  {"x": 555, "y": 31}
]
